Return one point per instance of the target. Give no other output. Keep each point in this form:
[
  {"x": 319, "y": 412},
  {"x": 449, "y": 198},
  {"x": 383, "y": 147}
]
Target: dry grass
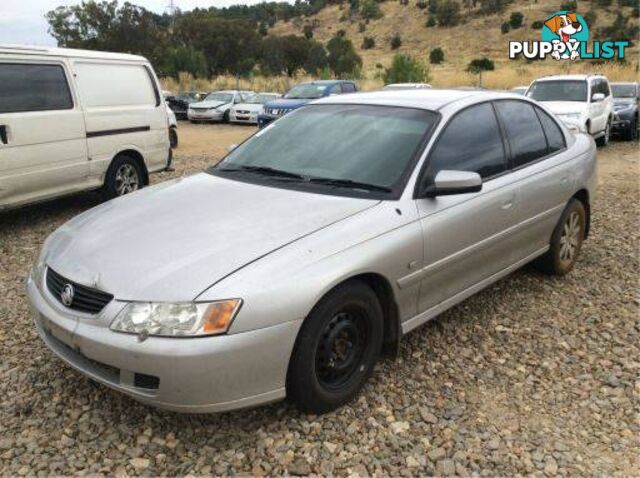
[{"x": 479, "y": 36}]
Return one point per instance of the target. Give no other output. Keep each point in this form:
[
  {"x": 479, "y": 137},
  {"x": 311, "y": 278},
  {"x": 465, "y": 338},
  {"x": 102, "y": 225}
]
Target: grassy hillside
[{"x": 477, "y": 36}]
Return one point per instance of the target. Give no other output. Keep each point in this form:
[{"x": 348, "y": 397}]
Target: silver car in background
[{"x": 312, "y": 248}]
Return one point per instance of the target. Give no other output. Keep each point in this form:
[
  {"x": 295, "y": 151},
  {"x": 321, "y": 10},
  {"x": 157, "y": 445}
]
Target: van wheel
[
  {"x": 123, "y": 177},
  {"x": 336, "y": 349},
  {"x": 604, "y": 139},
  {"x": 566, "y": 241},
  {"x": 173, "y": 137}
]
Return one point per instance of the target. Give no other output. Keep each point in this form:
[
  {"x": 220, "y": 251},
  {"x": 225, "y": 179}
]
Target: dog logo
[
  {"x": 565, "y": 28},
  {"x": 565, "y": 36},
  {"x": 66, "y": 296}
]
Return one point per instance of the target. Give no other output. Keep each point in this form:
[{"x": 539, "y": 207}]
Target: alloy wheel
[
  {"x": 127, "y": 179},
  {"x": 570, "y": 238}
]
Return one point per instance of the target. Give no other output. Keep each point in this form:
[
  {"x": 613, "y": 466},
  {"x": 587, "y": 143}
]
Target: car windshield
[
  {"x": 623, "y": 91},
  {"x": 261, "y": 99},
  {"x": 224, "y": 97},
  {"x": 189, "y": 97},
  {"x": 306, "y": 91},
  {"x": 561, "y": 90},
  {"x": 372, "y": 146}
]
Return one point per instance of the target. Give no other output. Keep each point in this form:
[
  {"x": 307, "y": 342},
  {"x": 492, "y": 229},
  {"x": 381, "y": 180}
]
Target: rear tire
[
  {"x": 336, "y": 349},
  {"x": 566, "y": 241},
  {"x": 124, "y": 176}
]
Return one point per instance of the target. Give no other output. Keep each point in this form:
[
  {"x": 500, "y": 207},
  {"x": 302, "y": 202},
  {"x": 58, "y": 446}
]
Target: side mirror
[
  {"x": 597, "y": 97},
  {"x": 232, "y": 147},
  {"x": 447, "y": 183}
]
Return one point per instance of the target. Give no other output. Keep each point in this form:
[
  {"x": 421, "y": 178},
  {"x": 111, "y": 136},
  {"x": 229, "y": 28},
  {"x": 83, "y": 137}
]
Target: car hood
[
  {"x": 207, "y": 104},
  {"x": 287, "y": 103},
  {"x": 566, "y": 107},
  {"x": 172, "y": 241},
  {"x": 248, "y": 107}
]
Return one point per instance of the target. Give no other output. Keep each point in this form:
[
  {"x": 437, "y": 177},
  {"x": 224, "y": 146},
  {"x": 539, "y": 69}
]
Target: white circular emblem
[{"x": 66, "y": 296}]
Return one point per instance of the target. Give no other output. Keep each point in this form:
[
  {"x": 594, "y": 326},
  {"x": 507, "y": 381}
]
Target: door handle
[
  {"x": 507, "y": 204},
  {"x": 3, "y": 133}
]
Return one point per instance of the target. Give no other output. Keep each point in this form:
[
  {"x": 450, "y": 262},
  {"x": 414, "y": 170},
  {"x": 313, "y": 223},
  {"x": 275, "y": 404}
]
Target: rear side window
[
  {"x": 335, "y": 89},
  {"x": 107, "y": 84},
  {"x": 26, "y": 87},
  {"x": 555, "y": 138},
  {"x": 470, "y": 142},
  {"x": 348, "y": 88},
  {"x": 524, "y": 131}
]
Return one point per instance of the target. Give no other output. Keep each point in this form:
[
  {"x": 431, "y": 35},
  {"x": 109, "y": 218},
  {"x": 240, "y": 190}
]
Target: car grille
[
  {"x": 242, "y": 112},
  {"x": 85, "y": 299}
]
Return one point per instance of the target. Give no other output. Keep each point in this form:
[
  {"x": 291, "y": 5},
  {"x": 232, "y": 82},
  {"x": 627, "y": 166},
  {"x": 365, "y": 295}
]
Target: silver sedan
[{"x": 312, "y": 248}]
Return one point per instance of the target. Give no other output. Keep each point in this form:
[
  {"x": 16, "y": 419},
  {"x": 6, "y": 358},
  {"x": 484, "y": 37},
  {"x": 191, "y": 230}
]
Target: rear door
[
  {"x": 465, "y": 234},
  {"x": 43, "y": 149},
  {"x": 542, "y": 171}
]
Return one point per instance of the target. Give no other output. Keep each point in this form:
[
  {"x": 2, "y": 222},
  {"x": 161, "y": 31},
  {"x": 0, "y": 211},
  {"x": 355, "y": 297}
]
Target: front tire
[
  {"x": 566, "y": 241},
  {"x": 604, "y": 139},
  {"x": 336, "y": 349},
  {"x": 124, "y": 176},
  {"x": 173, "y": 137},
  {"x": 225, "y": 117}
]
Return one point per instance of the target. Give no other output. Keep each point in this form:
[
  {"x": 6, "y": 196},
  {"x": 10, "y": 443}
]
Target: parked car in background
[
  {"x": 581, "y": 100},
  {"x": 180, "y": 102},
  {"x": 216, "y": 106},
  {"x": 248, "y": 111},
  {"x": 626, "y": 97},
  {"x": 351, "y": 222},
  {"x": 407, "y": 86},
  {"x": 73, "y": 120},
  {"x": 519, "y": 90},
  {"x": 302, "y": 94},
  {"x": 173, "y": 128}
]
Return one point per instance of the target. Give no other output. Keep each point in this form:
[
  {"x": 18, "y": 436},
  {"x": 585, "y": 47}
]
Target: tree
[
  {"x": 431, "y": 21},
  {"x": 516, "y": 20},
  {"x": 448, "y": 13},
  {"x": 368, "y": 43},
  {"x": 307, "y": 30},
  {"x": 342, "y": 57},
  {"x": 537, "y": 25},
  {"x": 316, "y": 58},
  {"x": 433, "y": 7},
  {"x": 421, "y": 4},
  {"x": 396, "y": 42},
  {"x": 370, "y": 10},
  {"x": 183, "y": 59},
  {"x": 405, "y": 69},
  {"x": 478, "y": 65},
  {"x": 436, "y": 56},
  {"x": 505, "y": 27}
]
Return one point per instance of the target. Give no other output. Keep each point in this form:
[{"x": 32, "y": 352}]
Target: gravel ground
[{"x": 535, "y": 375}]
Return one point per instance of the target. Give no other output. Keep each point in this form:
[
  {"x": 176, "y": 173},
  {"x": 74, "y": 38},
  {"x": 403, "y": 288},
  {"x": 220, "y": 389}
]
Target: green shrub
[
  {"x": 431, "y": 21},
  {"x": 448, "y": 13},
  {"x": 368, "y": 43},
  {"x": 436, "y": 56},
  {"x": 405, "y": 69},
  {"x": 516, "y": 20},
  {"x": 370, "y": 10},
  {"x": 569, "y": 5},
  {"x": 422, "y": 4},
  {"x": 537, "y": 25},
  {"x": 396, "y": 42},
  {"x": 505, "y": 27}
]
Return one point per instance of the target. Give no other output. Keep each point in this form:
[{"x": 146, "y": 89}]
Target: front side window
[
  {"x": 373, "y": 146},
  {"x": 560, "y": 90},
  {"x": 335, "y": 89},
  {"x": 470, "y": 142},
  {"x": 26, "y": 87},
  {"x": 523, "y": 130}
]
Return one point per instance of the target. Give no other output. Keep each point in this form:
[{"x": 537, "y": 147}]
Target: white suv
[{"x": 582, "y": 101}]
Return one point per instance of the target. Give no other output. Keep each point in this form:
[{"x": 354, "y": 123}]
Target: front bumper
[
  {"x": 247, "y": 119},
  {"x": 193, "y": 375},
  {"x": 205, "y": 115}
]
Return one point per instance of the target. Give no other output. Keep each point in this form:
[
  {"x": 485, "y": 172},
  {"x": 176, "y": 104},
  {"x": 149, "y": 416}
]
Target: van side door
[
  {"x": 465, "y": 234},
  {"x": 43, "y": 147},
  {"x": 541, "y": 169}
]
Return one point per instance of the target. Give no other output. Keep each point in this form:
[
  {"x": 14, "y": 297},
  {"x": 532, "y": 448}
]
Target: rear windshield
[
  {"x": 561, "y": 90},
  {"x": 306, "y": 92},
  {"x": 624, "y": 91}
]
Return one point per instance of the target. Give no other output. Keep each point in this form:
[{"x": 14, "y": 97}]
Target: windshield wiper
[
  {"x": 264, "y": 170},
  {"x": 348, "y": 183}
]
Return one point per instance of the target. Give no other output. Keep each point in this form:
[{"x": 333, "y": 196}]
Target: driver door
[{"x": 465, "y": 234}]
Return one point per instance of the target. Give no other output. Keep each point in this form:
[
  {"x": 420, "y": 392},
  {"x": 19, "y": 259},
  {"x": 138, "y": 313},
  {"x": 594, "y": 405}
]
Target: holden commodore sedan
[{"x": 287, "y": 269}]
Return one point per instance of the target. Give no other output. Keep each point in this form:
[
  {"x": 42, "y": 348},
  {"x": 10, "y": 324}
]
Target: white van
[{"x": 74, "y": 120}]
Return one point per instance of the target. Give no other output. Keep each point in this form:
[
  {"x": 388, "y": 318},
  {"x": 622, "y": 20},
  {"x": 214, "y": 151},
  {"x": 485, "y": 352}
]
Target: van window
[
  {"x": 28, "y": 87},
  {"x": 471, "y": 142},
  {"x": 524, "y": 131},
  {"x": 104, "y": 84}
]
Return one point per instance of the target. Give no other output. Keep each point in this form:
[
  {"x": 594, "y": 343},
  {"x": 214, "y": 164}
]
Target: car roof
[
  {"x": 624, "y": 83},
  {"x": 568, "y": 77},
  {"x": 428, "y": 99},
  {"x": 7, "y": 48}
]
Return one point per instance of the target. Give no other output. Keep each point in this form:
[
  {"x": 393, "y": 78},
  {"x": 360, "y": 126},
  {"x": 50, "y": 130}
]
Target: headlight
[
  {"x": 572, "y": 116},
  {"x": 186, "y": 319}
]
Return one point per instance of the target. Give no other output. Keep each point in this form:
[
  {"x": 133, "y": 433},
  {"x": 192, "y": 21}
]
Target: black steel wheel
[{"x": 336, "y": 349}]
